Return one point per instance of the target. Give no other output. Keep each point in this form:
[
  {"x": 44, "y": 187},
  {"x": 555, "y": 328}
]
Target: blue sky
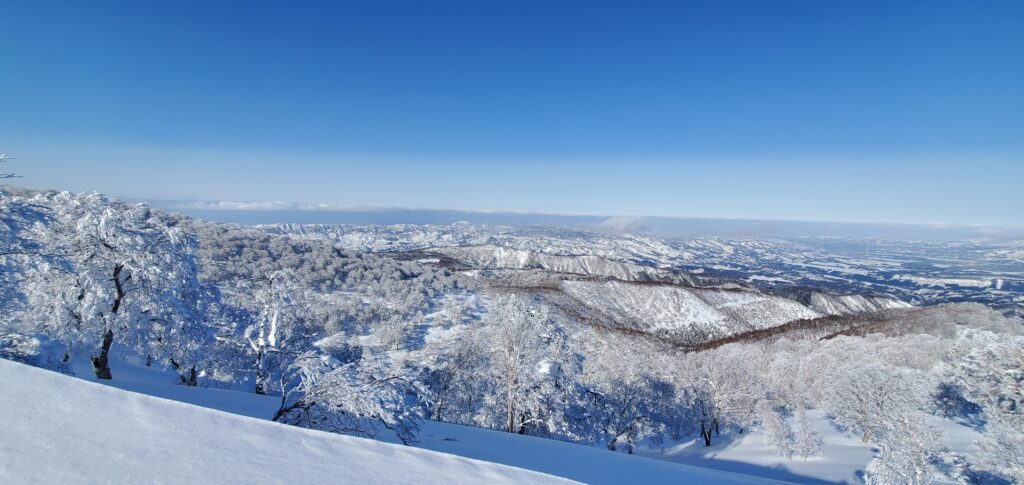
[{"x": 841, "y": 111}]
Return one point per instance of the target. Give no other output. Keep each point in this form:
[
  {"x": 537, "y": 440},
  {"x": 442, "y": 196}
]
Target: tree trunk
[
  {"x": 866, "y": 436},
  {"x": 510, "y": 424},
  {"x": 705, "y": 433},
  {"x": 100, "y": 362},
  {"x": 261, "y": 375},
  {"x": 718, "y": 432},
  {"x": 189, "y": 378},
  {"x": 118, "y": 288}
]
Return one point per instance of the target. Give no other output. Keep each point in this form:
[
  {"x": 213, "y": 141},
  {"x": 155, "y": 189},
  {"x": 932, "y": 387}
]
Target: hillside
[
  {"x": 100, "y": 434},
  {"x": 97, "y": 434},
  {"x": 533, "y": 332}
]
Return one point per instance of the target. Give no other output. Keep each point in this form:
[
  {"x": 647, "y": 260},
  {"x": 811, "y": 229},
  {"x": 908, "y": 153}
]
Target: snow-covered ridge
[
  {"x": 98, "y": 434},
  {"x": 686, "y": 315},
  {"x": 497, "y": 257},
  {"x": 919, "y": 272},
  {"x": 852, "y": 304}
]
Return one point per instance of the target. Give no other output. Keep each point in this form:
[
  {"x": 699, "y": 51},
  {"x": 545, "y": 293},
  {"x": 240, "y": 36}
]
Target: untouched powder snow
[
  {"x": 584, "y": 463},
  {"x": 58, "y": 429}
]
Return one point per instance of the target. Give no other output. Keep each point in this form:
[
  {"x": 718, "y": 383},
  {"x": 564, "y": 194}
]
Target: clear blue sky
[{"x": 819, "y": 110}]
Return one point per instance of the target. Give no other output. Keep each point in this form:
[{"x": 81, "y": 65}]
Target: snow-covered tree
[
  {"x": 113, "y": 273},
  {"x": 870, "y": 398},
  {"x": 457, "y": 389},
  {"x": 989, "y": 370},
  {"x": 906, "y": 453},
  {"x": 347, "y": 391},
  {"x": 529, "y": 366},
  {"x": 620, "y": 404},
  {"x": 722, "y": 387},
  {"x": 281, "y": 330},
  {"x": 807, "y": 441},
  {"x": 776, "y": 430}
]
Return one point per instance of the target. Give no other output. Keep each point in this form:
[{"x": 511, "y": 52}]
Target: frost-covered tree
[
  {"x": 989, "y": 370},
  {"x": 870, "y": 398},
  {"x": 280, "y": 332},
  {"x": 528, "y": 365},
  {"x": 345, "y": 390},
  {"x": 113, "y": 273},
  {"x": 620, "y": 404},
  {"x": 776, "y": 430},
  {"x": 456, "y": 388},
  {"x": 906, "y": 453},
  {"x": 807, "y": 442},
  {"x": 722, "y": 387}
]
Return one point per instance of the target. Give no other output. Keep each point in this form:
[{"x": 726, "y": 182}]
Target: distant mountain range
[{"x": 664, "y": 227}]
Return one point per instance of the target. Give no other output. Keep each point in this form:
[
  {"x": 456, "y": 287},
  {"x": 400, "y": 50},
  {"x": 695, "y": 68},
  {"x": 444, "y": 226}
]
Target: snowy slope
[
  {"x": 58, "y": 429},
  {"x": 578, "y": 462},
  {"x": 687, "y": 315},
  {"x": 852, "y": 304},
  {"x": 96, "y": 433}
]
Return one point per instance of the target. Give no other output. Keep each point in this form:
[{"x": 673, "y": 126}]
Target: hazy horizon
[
  {"x": 855, "y": 111},
  {"x": 278, "y": 212}
]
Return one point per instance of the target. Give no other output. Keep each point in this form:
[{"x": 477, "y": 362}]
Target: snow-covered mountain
[
  {"x": 918, "y": 272},
  {"x": 621, "y": 344},
  {"x": 617, "y": 281}
]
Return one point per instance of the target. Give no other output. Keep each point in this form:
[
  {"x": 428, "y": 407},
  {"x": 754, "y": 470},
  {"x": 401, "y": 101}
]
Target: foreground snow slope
[
  {"x": 584, "y": 463},
  {"x": 58, "y": 429}
]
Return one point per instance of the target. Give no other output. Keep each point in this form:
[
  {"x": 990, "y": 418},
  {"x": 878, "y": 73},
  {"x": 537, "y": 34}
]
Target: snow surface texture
[{"x": 97, "y": 434}]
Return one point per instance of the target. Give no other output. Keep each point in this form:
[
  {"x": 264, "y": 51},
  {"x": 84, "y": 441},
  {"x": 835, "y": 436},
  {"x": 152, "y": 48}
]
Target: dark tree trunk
[
  {"x": 261, "y": 375},
  {"x": 100, "y": 362},
  {"x": 118, "y": 288},
  {"x": 189, "y": 378},
  {"x": 705, "y": 433}
]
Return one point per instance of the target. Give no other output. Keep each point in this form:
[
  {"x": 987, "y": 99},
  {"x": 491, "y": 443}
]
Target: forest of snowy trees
[{"x": 366, "y": 344}]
